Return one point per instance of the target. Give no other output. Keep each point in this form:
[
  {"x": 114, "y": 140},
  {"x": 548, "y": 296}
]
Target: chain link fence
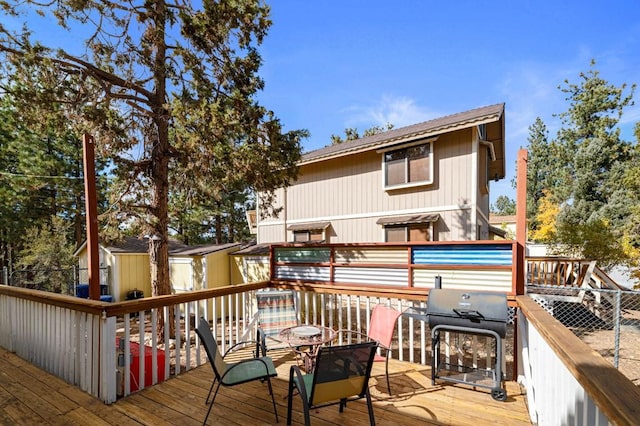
[{"x": 607, "y": 320}]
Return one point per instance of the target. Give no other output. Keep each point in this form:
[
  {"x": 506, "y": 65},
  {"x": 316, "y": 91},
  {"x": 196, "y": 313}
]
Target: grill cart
[{"x": 475, "y": 313}]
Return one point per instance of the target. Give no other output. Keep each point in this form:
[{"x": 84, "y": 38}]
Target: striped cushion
[{"x": 277, "y": 311}]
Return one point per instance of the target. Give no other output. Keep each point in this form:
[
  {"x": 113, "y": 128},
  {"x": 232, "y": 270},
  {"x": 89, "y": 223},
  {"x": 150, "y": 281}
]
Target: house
[
  {"x": 190, "y": 267},
  {"x": 425, "y": 182},
  {"x": 503, "y": 226}
]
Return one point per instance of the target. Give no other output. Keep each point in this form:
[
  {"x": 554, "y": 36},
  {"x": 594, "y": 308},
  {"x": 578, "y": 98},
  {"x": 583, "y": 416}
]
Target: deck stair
[{"x": 570, "y": 281}]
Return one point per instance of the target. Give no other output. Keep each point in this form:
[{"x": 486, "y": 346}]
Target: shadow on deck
[{"x": 30, "y": 396}]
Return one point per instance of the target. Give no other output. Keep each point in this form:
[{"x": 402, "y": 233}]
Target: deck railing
[
  {"x": 112, "y": 349},
  {"x": 566, "y": 381},
  {"x": 76, "y": 339}
]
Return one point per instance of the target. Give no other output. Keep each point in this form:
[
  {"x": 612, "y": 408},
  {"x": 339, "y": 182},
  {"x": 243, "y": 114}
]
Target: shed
[{"x": 190, "y": 267}]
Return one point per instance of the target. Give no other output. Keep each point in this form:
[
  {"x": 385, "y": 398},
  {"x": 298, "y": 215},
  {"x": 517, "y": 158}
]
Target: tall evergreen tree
[
  {"x": 538, "y": 166},
  {"x": 164, "y": 85},
  {"x": 594, "y": 203}
]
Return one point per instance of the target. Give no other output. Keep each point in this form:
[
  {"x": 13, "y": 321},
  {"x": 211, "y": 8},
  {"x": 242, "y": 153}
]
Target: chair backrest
[
  {"x": 276, "y": 310},
  {"x": 342, "y": 372},
  {"x": 382, "y": 323},
  {"x": 211, "y": 347}
]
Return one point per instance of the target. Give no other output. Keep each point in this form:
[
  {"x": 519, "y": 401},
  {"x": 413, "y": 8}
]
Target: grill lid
[{"x": 474, "y": 306}]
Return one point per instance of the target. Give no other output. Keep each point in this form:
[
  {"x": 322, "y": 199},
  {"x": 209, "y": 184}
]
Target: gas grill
[{"x": 467, "y": 312}]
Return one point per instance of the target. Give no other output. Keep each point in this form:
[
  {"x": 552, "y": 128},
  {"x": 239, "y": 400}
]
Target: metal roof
[
  {"x": 408, "y": 219},
  {"x": 433, "y": 127},
  {"x": 308, "y": 226}
]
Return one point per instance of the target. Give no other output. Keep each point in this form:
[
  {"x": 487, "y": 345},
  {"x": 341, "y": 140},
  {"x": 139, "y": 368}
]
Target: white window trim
[{"x": 408, "y": 184}]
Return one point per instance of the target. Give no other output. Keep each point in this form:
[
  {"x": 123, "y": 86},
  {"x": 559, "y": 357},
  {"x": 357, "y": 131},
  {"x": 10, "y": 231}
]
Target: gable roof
[{"x": 461, "y": 120}]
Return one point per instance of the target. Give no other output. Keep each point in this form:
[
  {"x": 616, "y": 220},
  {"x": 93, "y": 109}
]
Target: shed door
[{"x": 181, "y": 274}]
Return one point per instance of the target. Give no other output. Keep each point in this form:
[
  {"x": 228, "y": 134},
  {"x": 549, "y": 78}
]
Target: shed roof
[{"x": 131, "y": 245}]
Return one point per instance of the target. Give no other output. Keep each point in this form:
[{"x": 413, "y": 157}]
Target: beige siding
[{"x": 348, "y": 191}]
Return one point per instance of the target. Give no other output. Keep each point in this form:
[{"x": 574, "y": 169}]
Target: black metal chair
[
  {"x": 231, "y": 374},
  {"x": 341, "y": 374}
]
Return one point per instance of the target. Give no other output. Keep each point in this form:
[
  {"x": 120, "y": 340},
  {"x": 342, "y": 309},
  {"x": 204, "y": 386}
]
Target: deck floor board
[{"x": 29, "y": 395}]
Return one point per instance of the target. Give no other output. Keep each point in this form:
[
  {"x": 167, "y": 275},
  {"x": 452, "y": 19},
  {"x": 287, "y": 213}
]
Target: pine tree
[
  {"x": 169, "y": 91},
  {"x": 593, "y": 160}
]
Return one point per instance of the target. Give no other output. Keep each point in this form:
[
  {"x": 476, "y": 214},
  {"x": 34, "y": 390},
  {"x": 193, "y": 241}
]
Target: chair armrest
[
  {"x": 243, "y": 343},
  {"x": 261, "y": 343}
]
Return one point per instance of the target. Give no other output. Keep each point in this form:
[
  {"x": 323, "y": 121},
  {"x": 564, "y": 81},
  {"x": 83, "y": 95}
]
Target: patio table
[{"x": 305, "y": 341}]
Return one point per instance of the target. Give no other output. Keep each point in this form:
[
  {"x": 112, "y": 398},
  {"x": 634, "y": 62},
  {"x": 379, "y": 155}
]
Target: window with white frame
[{"x": 408, "y": 166}]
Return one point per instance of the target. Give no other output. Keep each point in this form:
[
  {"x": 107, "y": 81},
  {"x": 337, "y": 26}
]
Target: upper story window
[{"x": 408, "y": 166}]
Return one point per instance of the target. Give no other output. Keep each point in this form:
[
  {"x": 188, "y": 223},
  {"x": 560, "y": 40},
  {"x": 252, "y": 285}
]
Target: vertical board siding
[
  {"x": 566, "y": 402},
  {"x": 58, "y": 340},
  {"x": 349, "y": 192}
]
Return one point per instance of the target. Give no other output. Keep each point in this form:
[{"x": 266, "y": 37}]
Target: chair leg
[
  {"x": 275, "y": 410},
  {"x": 206, "y": 401},
  {"x": 386, "y": 370},
  {"x": 211, "y": 406},
  {"x": 372, "y": 419},
  {"x": 305, "y": 405},
  {"x": 290, "y": 402}
]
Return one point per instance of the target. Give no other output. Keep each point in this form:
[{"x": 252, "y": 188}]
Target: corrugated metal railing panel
[
  {"x": 479, "y": 280},
  {"x": 384, "y": 276},
  {"x": 498, "y": 255},
  {"x": 302, "y": 255},
  {"x": 311, "y": 273},
  {"x": 369, "y": 256}
]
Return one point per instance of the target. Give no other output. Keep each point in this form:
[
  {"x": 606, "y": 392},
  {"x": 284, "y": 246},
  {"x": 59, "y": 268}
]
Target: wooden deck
[{"x": 30, "y": 396}]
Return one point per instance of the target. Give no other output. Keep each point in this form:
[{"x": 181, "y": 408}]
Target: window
[
  {"x": 404, "y": 233},
  {"x": 308, "y": 235},
  {"x": 408, "y": 166},
  {"x": 417, "y": 227},
  {"x": 305, "y": 232}
]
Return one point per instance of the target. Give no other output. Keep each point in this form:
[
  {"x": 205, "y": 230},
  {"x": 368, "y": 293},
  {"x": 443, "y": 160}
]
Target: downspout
[
  {"x": 474, "y": 185},
  {"x": 284, "y": 214}
]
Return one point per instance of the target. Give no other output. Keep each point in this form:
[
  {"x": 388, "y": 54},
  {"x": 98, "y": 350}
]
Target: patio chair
[
  {"x": 341, "y": 374},
  {"x": 381, "y": 327},
  {"x": 277, "y": 310},
  {"x": 231, "y": 374}
]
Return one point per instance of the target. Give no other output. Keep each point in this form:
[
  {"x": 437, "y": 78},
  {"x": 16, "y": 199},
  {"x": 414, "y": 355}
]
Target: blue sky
[{"x": 329, "y": 65}]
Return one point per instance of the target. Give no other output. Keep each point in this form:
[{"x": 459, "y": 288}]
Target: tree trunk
[{"x": 160, "y": 155}]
